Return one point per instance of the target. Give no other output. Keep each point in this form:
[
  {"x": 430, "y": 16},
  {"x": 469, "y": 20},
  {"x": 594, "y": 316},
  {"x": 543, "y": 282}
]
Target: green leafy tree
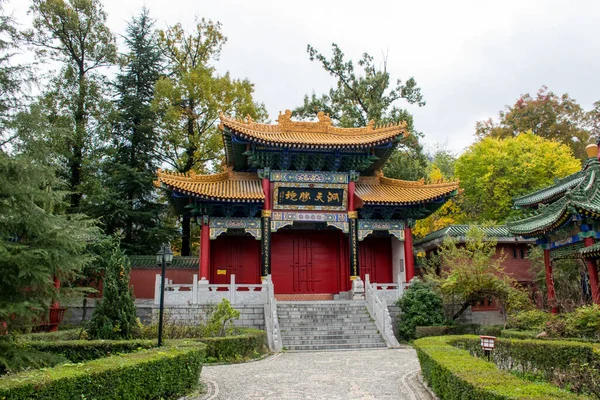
[
  {"x": 359, "y": 97},
  {"x": 74, "y": 33},
  {"x": 493, "y": 171},
  {"x": 420, "y": 306},
  {"x": 470, "y": 273},
  {"x": 190, "y": 99},
  {"x": 115, "y": 317},
  {"x": 128, "y": 204},
  {"x": 12, "y": 77},
  {"x": 546, "y": 114},
  {"x": 39, "y": 241}
]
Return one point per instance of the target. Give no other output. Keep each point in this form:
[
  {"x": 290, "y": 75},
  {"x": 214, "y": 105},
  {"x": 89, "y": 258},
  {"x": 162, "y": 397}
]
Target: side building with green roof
[
  {"x": 564, "y": 219},
  {"x": 513, "y": 248}
]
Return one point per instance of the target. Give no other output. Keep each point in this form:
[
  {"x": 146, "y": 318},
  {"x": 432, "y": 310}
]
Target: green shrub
[
  {"x": 532, "y": 320},
  {"x": 453, "y": 373},
  {"x": 16, "y": 356},
  {"x": 220, "y": 320},
  {"x": 115, "y": 315},
  {"x": 584, "y": 322},
  {"x": 420, "y": 306},
  {"x": 249, "y": 344},
  {"x": 87, "y": 350},
  {"x": 166, "y": 372},
  {"x": 214, "y": 320}
]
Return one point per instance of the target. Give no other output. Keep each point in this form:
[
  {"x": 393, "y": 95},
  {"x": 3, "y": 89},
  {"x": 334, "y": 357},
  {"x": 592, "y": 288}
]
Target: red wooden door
[
  {"x": 375, "y": 255},
  {"x": 305, "y": 262},
  {"x": 239, "y": 255}
]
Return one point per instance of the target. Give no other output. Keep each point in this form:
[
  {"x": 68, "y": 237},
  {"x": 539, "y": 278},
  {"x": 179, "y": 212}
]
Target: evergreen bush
[
  {"x": 115, "y": 315},
  {"x": 529, "y": 320},
  {"x": 420, "y": 306}
]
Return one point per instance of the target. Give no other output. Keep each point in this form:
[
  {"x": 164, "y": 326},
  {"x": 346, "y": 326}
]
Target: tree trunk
[
  {"x": 75, "y": 163},
  {"x": 191, "y": 152},
  {"x": 185, "y": 236},
  {"x": 84, "y": 310},
  {"x": 463, "y": 308}
]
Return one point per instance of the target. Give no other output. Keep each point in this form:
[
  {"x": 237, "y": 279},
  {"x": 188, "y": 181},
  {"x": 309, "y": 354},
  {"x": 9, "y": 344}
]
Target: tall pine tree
[
  {"x": 129, "y": 204},
  {"x": 38, "y": 242}
]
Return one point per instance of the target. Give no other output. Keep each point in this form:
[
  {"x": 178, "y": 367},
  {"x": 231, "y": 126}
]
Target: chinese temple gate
[
  {"x": 306, "y": 203},
  {"x": 565, "y": 220}
]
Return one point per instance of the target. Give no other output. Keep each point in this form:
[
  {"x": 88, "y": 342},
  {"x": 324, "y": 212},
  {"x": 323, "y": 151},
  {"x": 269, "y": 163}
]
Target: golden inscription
[
  {"x": 221, "y": 272},
  {"x": 304, "y": 197},
  {"x": 333, "y": 197},
  {"x": 291, "y": 195}
]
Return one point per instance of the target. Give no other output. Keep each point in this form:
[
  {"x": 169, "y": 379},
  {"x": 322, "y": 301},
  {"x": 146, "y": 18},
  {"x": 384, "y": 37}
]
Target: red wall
[
  {"x": 143, "y": 279},
  {"x": 517, "y": 268}
]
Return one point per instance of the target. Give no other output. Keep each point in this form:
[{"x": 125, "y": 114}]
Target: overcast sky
[{"x": 471, "y": 58}]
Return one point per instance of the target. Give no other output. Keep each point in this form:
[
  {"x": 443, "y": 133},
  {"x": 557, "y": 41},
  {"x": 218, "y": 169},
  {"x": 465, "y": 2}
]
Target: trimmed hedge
[
  {"x": 515, "y": 334},
  {"x": 453, "y": 373},
  {"x": 462, "y": 329},
  {"x": 546, "y": 357},
  {"x": 67, "y": 334},
  {"x": 249, "y": 344},
  {"x": 166, "y": 372},
  {"x": 87, "y": 350}
]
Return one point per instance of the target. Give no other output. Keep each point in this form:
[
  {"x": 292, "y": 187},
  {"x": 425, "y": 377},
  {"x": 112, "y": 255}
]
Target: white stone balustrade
[
  {"x": 202, "y": 292},
  {"x": 376, "y": 296}
]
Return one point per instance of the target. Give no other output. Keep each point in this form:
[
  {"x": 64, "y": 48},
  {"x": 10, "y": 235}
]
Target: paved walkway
[{"x": 365, "y": 374}]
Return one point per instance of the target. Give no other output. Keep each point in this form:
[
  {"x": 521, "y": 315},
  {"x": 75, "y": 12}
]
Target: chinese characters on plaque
[{"x": 292, "y": 196}]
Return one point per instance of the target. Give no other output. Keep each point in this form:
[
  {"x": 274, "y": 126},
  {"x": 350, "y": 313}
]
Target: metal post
[{"x": 162, "y": 300}]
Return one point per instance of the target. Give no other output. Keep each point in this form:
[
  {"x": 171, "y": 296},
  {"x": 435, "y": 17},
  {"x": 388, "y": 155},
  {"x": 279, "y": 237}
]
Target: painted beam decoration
[
  {"x": 287, "y": 218},
  {"x": 308, "y": 177},
  {"x": 301, "y": 196},
  {"x": 219, "y": 225},
  {"x": 368, "y": 226}
]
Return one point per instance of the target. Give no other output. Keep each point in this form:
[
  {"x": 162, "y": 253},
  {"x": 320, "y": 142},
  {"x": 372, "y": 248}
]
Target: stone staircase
[{"x": 327, "y": 325}]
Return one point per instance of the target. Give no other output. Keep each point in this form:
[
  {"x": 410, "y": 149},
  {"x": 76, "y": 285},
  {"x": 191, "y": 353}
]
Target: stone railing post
[
  {"x": 203, "y": 291},
  {"x": 195, "y": 289},
  {"x": 400, "y": 287},
  {"x": 232, "y": 290},
  {"x": 157, "y": 290}
]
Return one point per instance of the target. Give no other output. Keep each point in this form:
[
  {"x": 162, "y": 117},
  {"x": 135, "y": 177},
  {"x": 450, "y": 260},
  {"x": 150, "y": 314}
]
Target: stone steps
[{"x": 334, "y": 325}]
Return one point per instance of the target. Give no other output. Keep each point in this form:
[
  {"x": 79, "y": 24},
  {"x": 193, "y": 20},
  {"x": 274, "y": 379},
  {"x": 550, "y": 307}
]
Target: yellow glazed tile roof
[
  {"x": 321, "y": 134},
  {"x": 382, "y": 190},
  {"x": 227, "y": 186}
]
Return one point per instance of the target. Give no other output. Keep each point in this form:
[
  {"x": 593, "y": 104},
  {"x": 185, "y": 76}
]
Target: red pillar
[
  {"x": 409, "y": 263},
  {"x": 265, "y": 243},
  {"x": 351, "y": 188},
  {"x": 266, "y": 186},
  {"x": 204, "y": 250},
  {"x": 549, "y": 281},
  {"x": 593, "y": 272}
]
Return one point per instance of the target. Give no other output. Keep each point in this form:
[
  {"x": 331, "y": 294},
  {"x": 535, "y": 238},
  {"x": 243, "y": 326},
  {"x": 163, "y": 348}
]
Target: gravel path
[{"x": 365, "y": 374}]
